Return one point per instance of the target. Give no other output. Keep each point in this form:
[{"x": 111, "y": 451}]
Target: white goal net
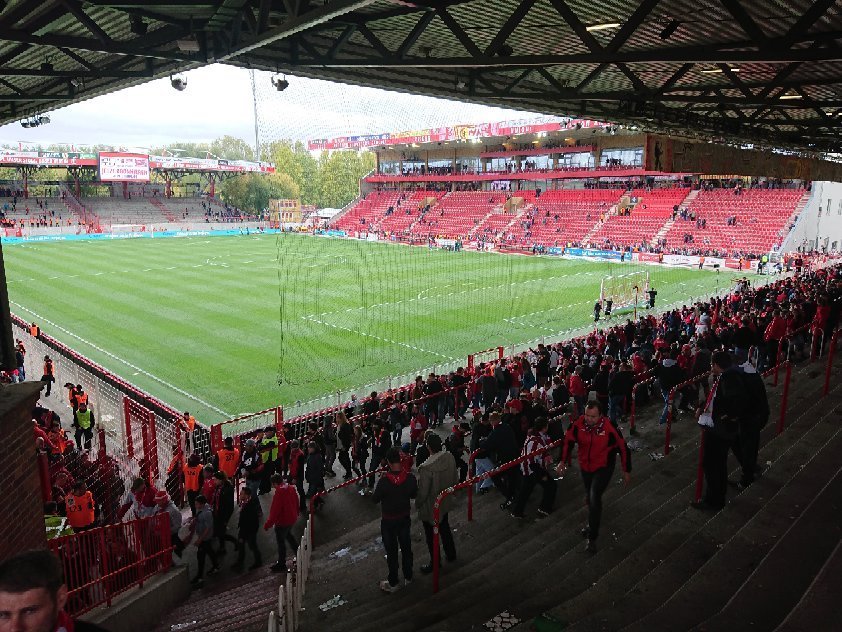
[{"x": 625, "y": 290}]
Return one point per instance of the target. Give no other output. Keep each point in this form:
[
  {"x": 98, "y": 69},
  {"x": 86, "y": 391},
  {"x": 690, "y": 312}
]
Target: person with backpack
[
  {"x": 314, "y": 473},
  {"x": 345, "y": 439},
  {"x": 247, "y": 527},
  {"x": 394, "y": 491},
  {"x": 747, "y": 443},
  {"x": 359, "y": 456},
  {"x": 329, "y": 438},
  {"x": 720, "y": 419}
]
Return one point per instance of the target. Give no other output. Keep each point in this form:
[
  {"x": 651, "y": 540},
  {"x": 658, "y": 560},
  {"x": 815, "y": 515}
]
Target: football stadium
[{"x": 457, "y": 251}]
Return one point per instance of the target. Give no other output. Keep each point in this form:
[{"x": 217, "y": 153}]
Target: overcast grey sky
[{"x": 218, "y": 101}]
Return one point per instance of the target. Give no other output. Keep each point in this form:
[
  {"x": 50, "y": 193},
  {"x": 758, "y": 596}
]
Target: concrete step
[
  {"x": 818, "y": 608},
  {"x": 735, "y": 564},
  {"x": 491, "y": 530},
  {"x": 592, "y": 588},
  {"x": 475, "y": 582},
  {"x": 697, "y": 543},
  {"x": 799, "y": 555}
]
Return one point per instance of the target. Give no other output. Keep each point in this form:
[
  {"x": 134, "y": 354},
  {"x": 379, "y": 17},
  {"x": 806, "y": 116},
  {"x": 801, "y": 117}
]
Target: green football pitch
[{"x": 229, "y": 325}]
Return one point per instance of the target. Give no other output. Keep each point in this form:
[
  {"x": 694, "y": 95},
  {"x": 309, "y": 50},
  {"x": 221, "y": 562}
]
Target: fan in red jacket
[
  {"x": 597, "y": 442},
  {"x": 283, "y": 514}
]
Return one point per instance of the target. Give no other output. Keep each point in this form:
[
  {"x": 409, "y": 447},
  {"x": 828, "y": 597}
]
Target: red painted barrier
[
  {"x": 670, "y": 398},
  {"x": 468, "y": 483},
  {"x": 784, "y": 397},
  {"x": 633, "y": 405},
  {"x": 830, "y": 353},
  {"x": 103, "y": 562}
]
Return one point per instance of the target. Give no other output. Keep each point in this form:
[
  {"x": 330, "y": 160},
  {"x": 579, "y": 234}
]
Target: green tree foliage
[
  {"x": 339, "y": 176},
  {"x": 252, "y": 192}
]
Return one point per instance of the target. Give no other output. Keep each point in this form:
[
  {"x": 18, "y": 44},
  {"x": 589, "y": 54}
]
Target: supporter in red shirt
[
  {"x": 598, "y": 441},
  {"x": 283, "y": 514}
]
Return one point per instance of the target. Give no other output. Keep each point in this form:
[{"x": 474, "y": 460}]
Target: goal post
[{"x": 625, "y": 290}]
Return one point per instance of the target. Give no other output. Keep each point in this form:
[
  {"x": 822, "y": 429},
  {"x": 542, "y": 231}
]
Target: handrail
[
  {"x": 633, "y": 413},
  {"x": 784, "y": 397},
  {"x": 817, "y": 333},
  {"x": 471, "y": 469},
  {"x": 830, "y": 352},
  {"x": 329, "y": 490},
  {"x": 448, "y": 390},
  {"x": 468, "y": 482},
  {"x": 668, "y": 435}
]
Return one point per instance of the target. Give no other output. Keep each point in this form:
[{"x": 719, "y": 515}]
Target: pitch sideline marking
[{"x": 126, "y": 362}]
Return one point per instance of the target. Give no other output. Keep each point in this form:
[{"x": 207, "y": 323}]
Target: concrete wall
[
  {"x": 140, "y": 609},
  {"x": 821, "y": 221},
  {"x": 19, "y": 480}
]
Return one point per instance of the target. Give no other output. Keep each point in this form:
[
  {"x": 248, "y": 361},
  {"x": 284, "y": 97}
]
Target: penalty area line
[{"x": 122, "y": 361}]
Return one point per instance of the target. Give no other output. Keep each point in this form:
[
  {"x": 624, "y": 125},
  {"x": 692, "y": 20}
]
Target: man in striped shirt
[{"x": 536, "y": 471}]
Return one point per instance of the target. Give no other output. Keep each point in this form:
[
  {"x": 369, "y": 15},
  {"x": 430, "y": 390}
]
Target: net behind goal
[{"x": 625, "y": 290}]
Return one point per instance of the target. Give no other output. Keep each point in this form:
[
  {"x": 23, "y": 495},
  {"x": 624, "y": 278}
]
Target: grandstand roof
[{"x": 751, "y": 70}]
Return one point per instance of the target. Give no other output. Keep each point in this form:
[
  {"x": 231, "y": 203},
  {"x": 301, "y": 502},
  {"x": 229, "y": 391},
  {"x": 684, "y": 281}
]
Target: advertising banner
[
  {"x": 455, "y": 132},
  {"x": 589, "y": 252},
  {"x": 119, "y": 167},
  {"x": 681, "y": 260},
  {"x": 648, "y": 257}
]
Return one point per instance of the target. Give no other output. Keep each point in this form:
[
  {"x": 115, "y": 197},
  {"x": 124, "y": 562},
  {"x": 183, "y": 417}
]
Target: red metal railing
[
  {"x": 450, "y": 390},
  {"x": 330, "y": 490},
  {"x": 103, "y": 562},
  {"x": 633, "y": 404},
  {"x": 471, "y": 358},
  {"x": 830, "y": 353},
  {"x": 276, "y": 413},
  {"x": 670, "y": 400},
  {"x": 468, "y": 482}
]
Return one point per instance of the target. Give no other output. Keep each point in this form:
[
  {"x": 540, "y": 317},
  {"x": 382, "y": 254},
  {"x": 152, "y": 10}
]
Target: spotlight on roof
[
  {"x": 43, "y": 120},
  {"x": 25, "y": 123},
  {"x": 280, "y": 83},
  {"x": 602, "y": 27},
  {"x": 137, "y": 25},
  {"x": 178, "y": 83},
  {"x": 669, "y": 29}
]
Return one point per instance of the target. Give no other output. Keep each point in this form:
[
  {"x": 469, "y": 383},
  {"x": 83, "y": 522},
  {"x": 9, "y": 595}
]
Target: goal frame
[{"x": 629, "y": 300}]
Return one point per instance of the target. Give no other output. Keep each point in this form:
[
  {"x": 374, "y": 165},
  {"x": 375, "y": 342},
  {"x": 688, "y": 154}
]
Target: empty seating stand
[
  {"x": 762, "y": 217},
  {"x": 651, "y": 210}
]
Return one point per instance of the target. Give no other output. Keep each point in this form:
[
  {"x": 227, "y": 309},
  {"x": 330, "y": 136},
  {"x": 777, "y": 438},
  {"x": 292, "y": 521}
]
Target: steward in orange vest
[
  {"x": 80, "y": 508},
  {"x": 193, "y": 480},
  {"x": 34, "y": 331},
  {"x": 228, "y": 458},
  {"x": 78, "y": 397},
  {"x": 49, "y": 375}
]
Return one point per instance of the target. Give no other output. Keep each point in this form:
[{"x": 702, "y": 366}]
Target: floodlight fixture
[
  {"x": 280, "y": 83},
  {"x": 179, "y": 83},
  {"x": 602, "y": 27}
]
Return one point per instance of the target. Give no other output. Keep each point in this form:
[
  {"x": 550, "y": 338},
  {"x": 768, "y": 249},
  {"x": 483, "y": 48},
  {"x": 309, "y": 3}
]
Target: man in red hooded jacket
[
  {"x": 598, "y": 441},
  {"x": 283, "y": 514}
]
